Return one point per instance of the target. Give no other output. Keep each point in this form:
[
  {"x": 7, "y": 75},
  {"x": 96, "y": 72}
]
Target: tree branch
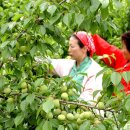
[
  {"x": 115, "y": 120},
  {"x": 88, "y": 106},
  {"x": 62, "y": 2}
]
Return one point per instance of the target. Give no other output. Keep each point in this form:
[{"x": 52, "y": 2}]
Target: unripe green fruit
[
  {"x": 50, "y": 98},
  {"x": 37, "y": 89},
  {"x": 57, "y": 111},
  {"x": 23, "y": 48},
  {"x": 79, "y": 121},
  {"x": 43, "y": 89},
  {"x": 74, "y": 125},
  {"x": 43, "y": 113},
  {"x": 16, "y": 91},
  {"x": 49, "y": 115},
  {"x": 61, "y": 117},
  {"x": 73, "y": 106},
  {"x": 29, "y": 86},
  {"x": 24, "y": 90},
  {"x": 70, "y": 116},
  {"x": 108, "y": 72},
  {"x": 10, "y": 100},
  {"x": 81, "y": 116},
  {"x": 88, "y": 115},
  {"x": 56, "y": 103},
  {"x": 64, "y": 89},
  {"x": 1, "y": 100},
  {"x": 64, "y": 113},
  {"x": 101, "y": 105},
  {"x": 24, "y": 85},
  {"x": 64, "y": 96},
  {"x": 7, "y": 90},
  {"x": 70, "y": 92},
  {"x": 76, "y": 116},
  {"x": 79, "y": 110},
  {"x": 96, "y": 121}
]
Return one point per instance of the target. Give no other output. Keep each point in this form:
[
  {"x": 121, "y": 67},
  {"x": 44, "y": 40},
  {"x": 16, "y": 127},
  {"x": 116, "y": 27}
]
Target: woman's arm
[
  {"x": 103, "y": 47},
  {"x": 62, "y": 67}
]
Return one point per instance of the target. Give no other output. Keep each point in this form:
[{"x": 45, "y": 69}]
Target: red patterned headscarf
[{"x": 86, "y": 40}]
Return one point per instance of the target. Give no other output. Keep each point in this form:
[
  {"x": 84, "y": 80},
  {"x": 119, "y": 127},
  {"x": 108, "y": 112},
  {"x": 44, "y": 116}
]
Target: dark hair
[
  {"x": 81, "y": 45},
  {"x": 126, "y": 39}
]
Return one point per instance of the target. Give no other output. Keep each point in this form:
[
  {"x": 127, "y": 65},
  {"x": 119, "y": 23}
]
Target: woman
[
  {"x": 121, "y": 62},
  {"x": 81, "y": 49}
]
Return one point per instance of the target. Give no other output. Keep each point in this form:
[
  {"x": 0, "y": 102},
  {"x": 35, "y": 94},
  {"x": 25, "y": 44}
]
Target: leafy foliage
[{"x": 32, "y": 28}]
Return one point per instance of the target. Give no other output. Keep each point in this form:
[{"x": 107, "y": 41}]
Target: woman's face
[
  {"x": 74, "y": 50},
  {"x": 125, "y": 51}
]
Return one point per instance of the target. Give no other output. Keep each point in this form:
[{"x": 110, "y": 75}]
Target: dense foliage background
[{"x": 31, "y": 28}]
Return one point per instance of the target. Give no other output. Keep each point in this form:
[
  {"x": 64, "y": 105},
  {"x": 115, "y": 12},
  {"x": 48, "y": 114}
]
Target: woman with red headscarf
[
  {"x": 81, "y": 49},
  {"x": 121, "y": 62}
]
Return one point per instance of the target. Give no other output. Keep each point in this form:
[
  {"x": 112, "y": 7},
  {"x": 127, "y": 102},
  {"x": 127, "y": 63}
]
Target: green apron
[{"x": 76, "y": 72}]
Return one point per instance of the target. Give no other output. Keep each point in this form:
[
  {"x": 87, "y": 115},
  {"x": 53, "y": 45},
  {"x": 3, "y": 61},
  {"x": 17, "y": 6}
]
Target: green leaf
[
  {"x": 104, "y": 3},
  {"x": 26, "y": 21},
  {"x": 42, "y": 29},
  {"x": 33, "y": 51},
  {"x": 104, "y": 13},
  {"x": 126, "y": 76},
  {"x": 38, "y": 82},
  {"x": 40, "y": 124},
  {"x": 111, "y": 101},
  {"x": 119, "y": 88},
  {"x": 54, "y": 122},
  {"x": 47, "y": 106},
  {"x": 117, "y": 4},
  {"x": 127, "y": 105},
  {"x": 115, "y": 78},
  {"x": 67, "y": 18},
  {"x": 95, "y": 93},
  {"x": 51, "y": 9},
  {"x": 61, "y": 127},
  {"x": 4, "y": 44},
  {"x": 79, "y": 18},
  {"x": 21, "y": 61},
  {"x": 70, "y": 127},
  {"x": 30, "y": 98},
  {"x": 13, "y": 43},
  {"x": 113, "y": 25},
  {"x": 101, "y": 127},
  {"x": 102, "y": 71},
  {"x": 18, "y": 119},
  {"x": 85, "y": 126},
  {"x": 2, "y": 82},
  {"x": 10, "y": 107},
  {"x": 17, "y": 17},
  {"x": 94, "y": 6},
  {"x": 110, "y": 90},
  {"x": 38, "y": 112},
  {"x": 11, "y": 25},
  {"x": 106, "y": 81},
  {"x": 4, "y": 28},
  {"x": 28, "y": 6},
  {"x": 47, "y": 126},
  {"x": 23, "y": 105},
  {"x": 6, "y": 53},
  {"x": 43, "y": 6},
  {"x": 9, "y": 123},
  {"x": 55, "y": 18}
]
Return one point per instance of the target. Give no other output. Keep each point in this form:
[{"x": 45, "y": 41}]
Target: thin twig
[
  {"x": 88, "y": 106},
  {"x": 115, "y": 120},
  {"x": 62, "y": 2},
  {"x": 93, "y": 112},
  {"x": 100, "y": 99}
]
